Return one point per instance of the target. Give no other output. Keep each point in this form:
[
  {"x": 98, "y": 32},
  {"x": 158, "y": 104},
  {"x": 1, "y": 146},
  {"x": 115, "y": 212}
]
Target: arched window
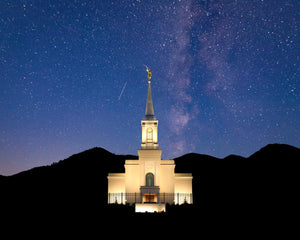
[
  {"x": 149, "y": 135},
  {"x": 149, "y": 180}
]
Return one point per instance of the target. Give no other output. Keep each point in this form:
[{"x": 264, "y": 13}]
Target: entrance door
[{"x": 150, "y": 197}]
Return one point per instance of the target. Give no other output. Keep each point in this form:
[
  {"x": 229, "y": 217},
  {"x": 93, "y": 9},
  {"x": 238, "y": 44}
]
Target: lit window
[{"x": 149, "y": 135}]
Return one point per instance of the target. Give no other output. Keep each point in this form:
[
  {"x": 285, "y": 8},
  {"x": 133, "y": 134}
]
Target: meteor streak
[{"x": 122, "y": 91}]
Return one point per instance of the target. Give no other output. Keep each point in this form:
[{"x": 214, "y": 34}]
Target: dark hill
[
  {"x": 78, "y": 182},
  {"x": 263, "y": 184},
  {"x": 277, "y": 153}
]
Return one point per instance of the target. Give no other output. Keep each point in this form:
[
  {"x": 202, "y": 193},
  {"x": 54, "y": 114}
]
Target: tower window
[{"x": 149, "y": 135}]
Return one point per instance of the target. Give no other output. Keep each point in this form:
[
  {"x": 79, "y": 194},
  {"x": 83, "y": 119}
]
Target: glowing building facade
[{"x": 150, "y": 182}]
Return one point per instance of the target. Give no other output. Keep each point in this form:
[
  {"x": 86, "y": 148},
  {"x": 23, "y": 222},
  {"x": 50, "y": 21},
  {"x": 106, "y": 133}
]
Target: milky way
[{"x": 225, "y": 77}]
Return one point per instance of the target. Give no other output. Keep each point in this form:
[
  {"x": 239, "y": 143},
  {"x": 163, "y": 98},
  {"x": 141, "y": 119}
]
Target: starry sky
[{"x": 225, "y": 77}]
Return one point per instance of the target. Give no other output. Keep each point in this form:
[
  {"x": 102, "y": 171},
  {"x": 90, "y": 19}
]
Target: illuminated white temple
[{"x": 150, "y": 182}]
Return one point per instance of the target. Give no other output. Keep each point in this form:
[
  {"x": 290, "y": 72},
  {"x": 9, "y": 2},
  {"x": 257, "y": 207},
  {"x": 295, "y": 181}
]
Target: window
[
  {"x": 149, "y": 180},
  {"x": 149, "y": 135}
]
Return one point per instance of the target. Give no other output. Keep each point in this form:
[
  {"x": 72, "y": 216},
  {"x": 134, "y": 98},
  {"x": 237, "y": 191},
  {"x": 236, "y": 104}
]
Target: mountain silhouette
[
  {"x": 266, "y": 180},
  {"x": 263, "y": 184}
]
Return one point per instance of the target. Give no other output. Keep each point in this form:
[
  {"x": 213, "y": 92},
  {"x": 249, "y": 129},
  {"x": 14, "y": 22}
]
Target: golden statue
[{"x": 149, "y": 74}]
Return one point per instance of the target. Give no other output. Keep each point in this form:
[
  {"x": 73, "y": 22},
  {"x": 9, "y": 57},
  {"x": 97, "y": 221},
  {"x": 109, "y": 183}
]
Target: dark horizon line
[{"x": 269, "y": 144}]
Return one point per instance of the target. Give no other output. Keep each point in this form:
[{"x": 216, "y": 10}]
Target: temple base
[{"x": 150, "y": 207}]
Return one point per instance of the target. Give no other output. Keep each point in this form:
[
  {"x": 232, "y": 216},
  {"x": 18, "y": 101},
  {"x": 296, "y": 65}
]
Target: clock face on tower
[{"x": 149, "y": 135}]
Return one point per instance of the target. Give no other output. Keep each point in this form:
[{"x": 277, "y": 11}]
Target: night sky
[{"x": 225, "y": 77}]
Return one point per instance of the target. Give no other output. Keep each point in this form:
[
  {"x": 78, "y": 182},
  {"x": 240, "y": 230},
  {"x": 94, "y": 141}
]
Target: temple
[{"x": 150, "y": 182}]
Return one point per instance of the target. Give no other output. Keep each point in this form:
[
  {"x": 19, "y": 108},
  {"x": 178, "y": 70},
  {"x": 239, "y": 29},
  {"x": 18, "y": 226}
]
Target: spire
[{"x": 149, "y": 114}]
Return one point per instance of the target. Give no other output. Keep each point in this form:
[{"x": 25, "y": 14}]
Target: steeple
[
  {"x": 149, "y": 123},
  {"x": 149, "y": 114}
]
